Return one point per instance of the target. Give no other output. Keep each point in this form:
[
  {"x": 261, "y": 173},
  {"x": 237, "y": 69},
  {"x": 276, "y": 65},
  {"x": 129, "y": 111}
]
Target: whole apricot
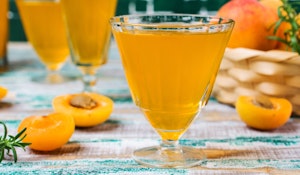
[
  {"x": 49, "y": 132},
  {"x": 263, "y": 113},
  {"x": 87, "y": 109},
  {"x": 253, "y": 24},
  {"x": 284, "y": 26}
]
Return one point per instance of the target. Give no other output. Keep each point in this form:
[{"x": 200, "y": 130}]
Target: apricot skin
[
  {"x": 253, "y": 24},
  {"x": 261, "y": 118},
  {"x": 85, "y": 117},
  {"x": 47, "y": 133}
]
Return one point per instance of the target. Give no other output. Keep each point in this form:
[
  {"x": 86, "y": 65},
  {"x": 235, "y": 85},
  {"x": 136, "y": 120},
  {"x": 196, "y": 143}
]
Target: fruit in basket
[
  {"x": 263, "y": 113},
  {"x": 49, "y": 132},
  {"x": 253, "y": 24},
  {"x": 87, "y": 109},
  {"x": 274, "y": 4},
  {"x": 287, "y": 27},
  {"x": 3, "y": 92}
]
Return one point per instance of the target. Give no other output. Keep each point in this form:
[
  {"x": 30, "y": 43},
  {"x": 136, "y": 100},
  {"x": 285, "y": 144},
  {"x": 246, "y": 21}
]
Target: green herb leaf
[
  {"x": 7, "y": 144},
  {"x": 287, "y": 13}
]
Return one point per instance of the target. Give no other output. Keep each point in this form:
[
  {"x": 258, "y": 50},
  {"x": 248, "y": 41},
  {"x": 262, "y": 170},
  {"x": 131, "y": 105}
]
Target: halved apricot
[
  {"x": 263, "y": 113},
  {"x": 3, "y": 92},
  {"x": 87, "y": 109},
  {"x": 49, "y": 132}
]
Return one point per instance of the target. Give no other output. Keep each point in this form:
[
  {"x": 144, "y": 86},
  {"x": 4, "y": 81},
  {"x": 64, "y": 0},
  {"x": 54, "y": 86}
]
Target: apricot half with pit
[
  {"x": 263, "y": 113},
  {"x": 49, "y": 132},
  {"x": 87, "y": 109}
]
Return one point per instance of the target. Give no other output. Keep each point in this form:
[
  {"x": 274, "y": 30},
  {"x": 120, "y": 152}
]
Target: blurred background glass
[
  {"x": 130, "y": 7},
  {"x": 43, "y": 24},
  {"x": 134, "y": 6},
  {"x": 3, "y": 33}
]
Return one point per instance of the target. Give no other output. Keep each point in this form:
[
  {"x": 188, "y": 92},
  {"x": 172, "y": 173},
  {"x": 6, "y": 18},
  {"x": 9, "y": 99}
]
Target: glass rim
[{"x": 116, "y": 20}]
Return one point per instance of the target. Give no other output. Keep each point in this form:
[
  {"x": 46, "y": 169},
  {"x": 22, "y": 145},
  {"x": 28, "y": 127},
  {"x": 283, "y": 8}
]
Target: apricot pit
[{"x": 87, "y": 109}]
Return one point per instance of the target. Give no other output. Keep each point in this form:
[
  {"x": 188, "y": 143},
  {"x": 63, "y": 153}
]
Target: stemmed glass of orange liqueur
[
  {"x": 89, "y": 33},
  {"x": 44, "y": 28},
  {"x": 170, "y": 63}
]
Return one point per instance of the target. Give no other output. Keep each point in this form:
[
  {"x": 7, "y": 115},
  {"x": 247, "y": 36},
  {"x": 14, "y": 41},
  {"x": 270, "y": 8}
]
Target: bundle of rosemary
[{"x": 10, "y": 143}]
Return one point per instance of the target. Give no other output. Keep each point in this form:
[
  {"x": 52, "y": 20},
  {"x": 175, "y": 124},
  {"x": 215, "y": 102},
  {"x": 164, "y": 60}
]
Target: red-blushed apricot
[
  {"x": 263, "y": 113},
  {"x": 49, "y": 132},
  {"x": 87, "y": 109},
  {"x": 253, "y": 24}
]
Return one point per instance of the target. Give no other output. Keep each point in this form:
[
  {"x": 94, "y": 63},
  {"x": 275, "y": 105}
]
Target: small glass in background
[
  {"x": 89, "y": 34},
  {"x": 3, "y": 34},
  {"x": 43, "y": 24}
]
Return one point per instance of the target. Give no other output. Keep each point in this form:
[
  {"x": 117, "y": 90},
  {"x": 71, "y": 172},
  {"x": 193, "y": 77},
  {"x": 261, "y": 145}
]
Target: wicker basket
[{"x": 274, "y": 73}]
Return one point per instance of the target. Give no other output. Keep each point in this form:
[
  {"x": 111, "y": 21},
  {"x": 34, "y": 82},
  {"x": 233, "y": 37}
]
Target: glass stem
[
  {"x": 53, "y": 76},
  {"x": 89, "y": 81},
  {"x": 89, "y": 78},
  {"x": 51, "y": 72},
  {"x": 170, "y": 146}
]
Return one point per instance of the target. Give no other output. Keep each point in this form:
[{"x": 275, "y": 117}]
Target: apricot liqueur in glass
[
  {"x": 44, "y": 28},
  {"x": 89, "y": 34},
  {"x": 3, "y": 34},
  {"x": 170, "y": 62}
]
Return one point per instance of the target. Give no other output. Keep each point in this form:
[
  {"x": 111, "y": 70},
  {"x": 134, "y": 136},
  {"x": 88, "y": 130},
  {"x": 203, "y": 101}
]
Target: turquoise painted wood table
[{"x": 230, "y": 146}]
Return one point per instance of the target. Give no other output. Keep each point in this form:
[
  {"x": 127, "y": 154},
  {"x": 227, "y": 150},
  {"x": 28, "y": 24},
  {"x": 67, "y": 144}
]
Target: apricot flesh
[
  {"x": 47, "y": 133},
  {"x": 87, "y": 109},
  {"x": 264, "y": 115},
  {"x": 3, "y": 92}
]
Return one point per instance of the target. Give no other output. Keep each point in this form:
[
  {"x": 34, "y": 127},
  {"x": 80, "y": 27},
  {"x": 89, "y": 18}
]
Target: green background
[{"x": 177, "y": 6}]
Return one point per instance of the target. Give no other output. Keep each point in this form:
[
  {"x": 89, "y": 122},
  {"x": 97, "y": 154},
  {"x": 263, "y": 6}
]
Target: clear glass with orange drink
[
  {"x": 43, "y": 24},
  {"x": 170, "y": 63},
  {"x": 89, "y": 34},
  {"x": 3, "y": 34}
]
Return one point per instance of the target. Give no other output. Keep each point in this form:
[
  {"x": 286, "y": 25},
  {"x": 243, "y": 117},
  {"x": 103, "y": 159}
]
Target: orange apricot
[
  {"x": 284, "y": 26},
  {"x": 253, "y": 24},
  {"x": 49, "y": 132},
  {"x": 263, "y": 113},
  {"x": 87, "y": 109},
  {"x": 3, "y": 92}
]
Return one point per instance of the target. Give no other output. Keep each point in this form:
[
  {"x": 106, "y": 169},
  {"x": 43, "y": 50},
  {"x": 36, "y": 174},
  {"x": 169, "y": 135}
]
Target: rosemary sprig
[
  {"x": 11, "y": 143},
  {"x": 287, "y": 13}
]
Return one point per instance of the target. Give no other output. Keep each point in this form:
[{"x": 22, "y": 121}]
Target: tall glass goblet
[
  {"x": 3, "y": 34},
  {"x": 89, "y": 33},
  {"x": 170, "y": 63},
  {"x": 44, "y": 28}
]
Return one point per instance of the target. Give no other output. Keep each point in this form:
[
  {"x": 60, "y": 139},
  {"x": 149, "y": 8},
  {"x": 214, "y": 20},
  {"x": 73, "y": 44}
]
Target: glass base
[
  {"x": 158, "y": 157},
  {"x": 52, "y": 78}
]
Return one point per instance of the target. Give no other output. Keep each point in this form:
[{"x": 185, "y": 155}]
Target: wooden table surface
[{"x": 230, "y": 146}]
